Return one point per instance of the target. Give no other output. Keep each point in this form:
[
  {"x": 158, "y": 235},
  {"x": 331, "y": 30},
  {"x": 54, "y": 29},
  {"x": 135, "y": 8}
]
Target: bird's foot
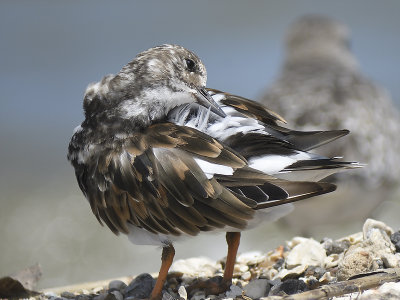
[{"x": 213, "y": 286}]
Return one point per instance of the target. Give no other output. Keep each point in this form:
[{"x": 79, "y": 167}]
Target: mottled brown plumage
[{"x": 156, "y": 179}]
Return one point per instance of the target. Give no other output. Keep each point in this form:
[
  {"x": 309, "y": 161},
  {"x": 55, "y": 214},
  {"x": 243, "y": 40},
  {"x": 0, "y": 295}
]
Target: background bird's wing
[{"x": 174, "y": 179}]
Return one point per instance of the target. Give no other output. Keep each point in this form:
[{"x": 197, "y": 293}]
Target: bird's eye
[{"x": 191, "y": 65}]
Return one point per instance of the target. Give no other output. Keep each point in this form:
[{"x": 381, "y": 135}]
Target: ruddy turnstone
[
  {"x": 321, "y": 86},
  {"x": 159, "y": 156}
]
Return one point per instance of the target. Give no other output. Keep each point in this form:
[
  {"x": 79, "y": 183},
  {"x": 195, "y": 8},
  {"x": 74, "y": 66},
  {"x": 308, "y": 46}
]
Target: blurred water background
[{"x": 51, "y": 50}]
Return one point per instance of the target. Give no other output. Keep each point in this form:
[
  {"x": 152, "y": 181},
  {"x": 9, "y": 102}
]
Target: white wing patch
[
  {"x": 210, "y": 169},
  {"x": 273, "y": 164},
  {"x": 231, "y": 125}
]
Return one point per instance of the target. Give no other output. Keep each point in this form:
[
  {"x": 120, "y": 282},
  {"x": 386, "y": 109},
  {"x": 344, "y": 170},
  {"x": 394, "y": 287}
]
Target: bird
[
  {"x": 161, "y": 157},
  {"x": 320, "y": 85}
]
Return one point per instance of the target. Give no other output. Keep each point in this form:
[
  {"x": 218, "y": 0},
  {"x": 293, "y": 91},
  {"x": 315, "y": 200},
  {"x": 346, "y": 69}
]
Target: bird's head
[
  {"x": 314, "y": 37},
  {"x": 156, "y": 81}
]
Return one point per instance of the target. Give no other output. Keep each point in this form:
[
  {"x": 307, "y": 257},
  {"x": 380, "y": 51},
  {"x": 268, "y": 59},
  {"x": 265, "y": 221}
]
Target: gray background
[{"x": 51, "y": 50}]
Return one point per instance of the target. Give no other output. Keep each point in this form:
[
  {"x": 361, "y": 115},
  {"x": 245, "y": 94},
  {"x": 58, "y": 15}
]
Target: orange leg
[
  {"x": 167, "y": 257},
  {"x": 233, "y": 241},
  {"x": 216, "y": 285}
]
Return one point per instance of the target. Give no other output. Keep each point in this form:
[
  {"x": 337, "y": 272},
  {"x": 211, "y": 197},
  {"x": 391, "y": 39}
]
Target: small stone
[
  {"x": 50, "y": 294},
  {"x": 240, "y": 268},
  {"x": 257, "y": 288},
  {"x": 326, "y": 278},
  {"x": 97, "y": 289},
  {"x": 82, "y": 297},
  {"x": 371, "y": 224},
  {"x": 269, "y": 273},
  {"x": 111, "y": 296},
  {"x": 275, "y": 282},
  {"x": 68, "y": 295},
  {"x": 333, "y": 260},
  {"x": 379, "y": 244},
  {"x": 195, "y": 267},
  {"x": 246, "y": 276},
  {"x": 279, "y": 263},
  {"x": 117, "y": 295},
  {"x": 335, "y": 247},
  {"x": 388, "y": 290},
  {"x": 317, "y": 272},
  {"x": 140, "y": 287},
  {"x": 307, "y": 252},
  {"x": 167, "y": 296},
  {"x": 200, "y": 295},
  {"x": 356, "y": 261},
  {"x": 233, "y": 292},
  {"x": 354, "y": 238},
  {"x": 116, "y": 285},
  {"x": 295, "y": 272},
  {"x": 289, "y": 287},
  {"x": 250, "y": 258},
  {"x": 182, "y": 292},
  {"x": 100, "y": 297},
  {"x": 312, "y": 282},
  {"x": 395, "y": 238}
]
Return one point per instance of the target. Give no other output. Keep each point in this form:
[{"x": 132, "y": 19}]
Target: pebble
[
  {"x": 234, "y": 291},
  {"x": 246, "y": 276},
  {"x": 288, "y": 287},
  {"x": 375, "y": 251},
  {"x": 353, "y": 238},
  {"x": 257, "y": 288},
  {"x": 97, "y": 289},
  {"x": 317, "y": 272},
  {"x": 67, "y": 295},
  {"x": 116, "y": 285},
  {"x": 182, "y": 292},
  {"x": 279, "y": 263},
  {"x": 250, "y": 258},
  {"x": 333, "y": 260},
  {"x": 295, "y": 272},
  {"x": 356, "y": 261},
  {"x": 200, "y": 295},
  {"x": 389, "y": 290},
  {"x": 167, "y": 296},
  {"x": 326, "y": 278},
  {"x": 195, "y": 267},
  {"x": 100, "y": 297},
  {"x": 117, "y": 295},
  {"x": 395, "y": 238},
  {"x": 140, "y": 287},
  {"x": 371, "y": 224},
  {"x": 306, "y": 252},
  {"x": 335, "y": 247},
  {"x": 303, "y": 263}
]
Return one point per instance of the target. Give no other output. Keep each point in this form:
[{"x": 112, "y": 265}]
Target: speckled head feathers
[{"x": 157, "y": 80}]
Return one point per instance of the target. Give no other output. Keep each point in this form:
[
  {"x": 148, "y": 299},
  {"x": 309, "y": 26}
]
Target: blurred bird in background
[{"x": 321, "y": 86}]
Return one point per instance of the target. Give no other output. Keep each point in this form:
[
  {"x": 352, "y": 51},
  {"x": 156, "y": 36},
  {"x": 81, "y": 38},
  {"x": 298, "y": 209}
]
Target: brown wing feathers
[
  {"x": 153, "y": 182},
  {"x": 249, "y": 108},
  {"x": 301, "y": 140}
]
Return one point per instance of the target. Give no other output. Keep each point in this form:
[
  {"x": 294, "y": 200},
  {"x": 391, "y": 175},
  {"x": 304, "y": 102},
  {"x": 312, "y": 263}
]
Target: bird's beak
[{"x": 204, "y": 99}]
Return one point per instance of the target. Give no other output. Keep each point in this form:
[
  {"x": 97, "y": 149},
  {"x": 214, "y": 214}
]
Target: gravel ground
[{"x": 301, "y": 265}]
